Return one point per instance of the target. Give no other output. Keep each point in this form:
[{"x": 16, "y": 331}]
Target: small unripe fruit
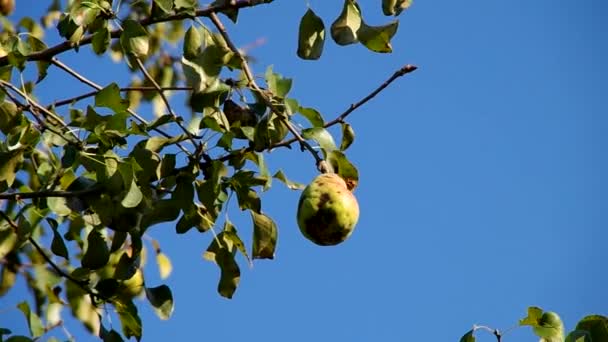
[
  {"x": 551, "y": 328},
  {"x": 327, "y": 211}
]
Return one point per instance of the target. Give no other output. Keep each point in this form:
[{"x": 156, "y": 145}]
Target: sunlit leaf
[
  {"x": 348, "y": 136},
  {"x": 164, "y": 265},
  {"x": 134, "y": 38},
  {"x": 133, "y": 196},
  {"x": 192, "y": 42},
  {"x": 321, "y": 136},
  {"x": 110, "y": 97},
  {"x": 533, "y": 317},
  {"x": 395, "y": 7},
  {"x": 230, "y": 235},
  {"x": 161, "y": 299},
  {"x": 129, "y": 318},
  {"x": 33, "y": 321},
  {"x": 8, "y": 164},
  {"x": 219, "y": 253},
  {"x": 101, "y": 40},
  {"x": 277, "y": 84},
  {"x": 344, "y": 168},
  {"x": 311, "y": 36},
  {"x": 344, "y": 28},
  {"x": 290, "y": 184},
  {"x": 378, "y": 38},
  {"x": 313, "y": 116}
]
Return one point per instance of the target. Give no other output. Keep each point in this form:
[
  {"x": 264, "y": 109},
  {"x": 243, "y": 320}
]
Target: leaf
[
  {"x": 8, "y": 241},
  {"x": 58, "y": 245},
  {"x": 129, "y": 318},
  {"x": 230, "y": 273},
  {"x": 192, "y": 42},
  {"x": 134, "y": 39},
  {"x": 165, "y": 5},
  {"x": 10, "y": 115},
  {"x": 110, "y": 97},
  {"x": 344, "y": 168},
  {"x": 264, "y": 236},
  {"x": 277, "y": 84},
  {"x": 110, "y": 336},
  {"x": 344, "y": 29},
  {"x": 58, "y": 205},
  {"x": 533, "y": 317},
  {"x": 579, "y": 336},
  {"x": 82, "y": 307},
  {"x": 101, "y": 40},
  {"x": 133, "y": 196},
  {"x": 161, "y": 299},
  {"x": 395, "y": 7},
  {"x": 291, "y": 185},
  {"x": 97, "y": 254},
  {"x": 33, "y": 321},
  {"x": 164, "y": 265},
  {"x": 378, "y": 38},
  {"x": 8, "y": 165},
  {"x": 348, "y": 136},
  {"x": 231, "y": 236},
  {"x": 468, "y": 337},
  {"x": 596, "y": 325},
  {"x": 321, "y": 136},
  {"x": 313, "y": 116},
  {"x": 311, "y": 36}
]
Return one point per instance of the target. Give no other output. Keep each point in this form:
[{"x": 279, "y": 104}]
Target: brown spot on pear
[{"x": 327, "y": 210}]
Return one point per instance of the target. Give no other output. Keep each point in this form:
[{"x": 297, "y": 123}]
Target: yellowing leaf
[
  {"x": 164, "y": 265},
  {"x": 344, "y": 28},
  {"x": 378, "y": 38}
]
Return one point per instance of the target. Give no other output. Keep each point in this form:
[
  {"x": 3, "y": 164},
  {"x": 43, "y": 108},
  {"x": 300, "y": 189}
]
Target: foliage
[
  {"x": 548, "y": 326},
  {"x": 83, "y": 179}
]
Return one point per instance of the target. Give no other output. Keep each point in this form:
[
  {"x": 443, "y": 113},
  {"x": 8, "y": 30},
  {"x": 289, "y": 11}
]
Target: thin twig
[
  {"x": 340, "y": 118},
  {"x": 48, "y": 53},
  {"x": 177, "y": 119},
  {"x": 124, "y": 89},
  {"x": 251, "y": 79},
  {"x": 494, "y": 332},
  {"x": 49, "y": 193},
  {"x": 62, "y": 273},
  {"x": 92, "y": 84}
]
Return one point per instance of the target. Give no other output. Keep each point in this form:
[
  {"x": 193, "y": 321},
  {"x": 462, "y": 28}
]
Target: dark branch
[
  {"x": 47, "y": 54},
  {"x": 125, "y": 89},
  {"x": 49, "y": 193}
]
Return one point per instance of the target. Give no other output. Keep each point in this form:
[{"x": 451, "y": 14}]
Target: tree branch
[
  {"x": 124, "y": 89},
  {"x": 92, "y": 84},
  {"x": 47, "y": 54},
  {"x": 494, "y": 332},
  {"x": 250, "y": 78},
  {"x": 82, "y": 284},
  {"x": 49, "y": 193}
]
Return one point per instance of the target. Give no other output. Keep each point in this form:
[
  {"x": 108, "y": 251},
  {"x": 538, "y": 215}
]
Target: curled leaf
[{"x": 311, "y": 36}]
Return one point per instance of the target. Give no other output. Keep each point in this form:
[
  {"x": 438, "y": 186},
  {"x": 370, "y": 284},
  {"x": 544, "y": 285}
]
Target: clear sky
[{"x": 483, "y": 183}]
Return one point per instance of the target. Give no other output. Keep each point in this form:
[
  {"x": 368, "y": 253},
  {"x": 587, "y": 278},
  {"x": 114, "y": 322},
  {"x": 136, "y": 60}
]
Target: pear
[
  {"x": 327, "y": 211},
  {"x": 550, "y": 328}
]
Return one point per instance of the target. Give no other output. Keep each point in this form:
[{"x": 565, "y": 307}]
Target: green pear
[
  {"x": 327, "y": 211},
  {"x": 550, "y": 328}
]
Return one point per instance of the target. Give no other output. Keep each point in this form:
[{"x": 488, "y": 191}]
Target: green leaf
[
  {"x": 344, "y": 29},
  {"x": 58, "y": 245},
  {"x": 231, "y": 236},
  {"x": 192, "y": 43},
  {"x": 101, "y": 40},
  {"x": 82, "y": 307},
  {"x": 314, "y": 117},
  {"x": 133, "y": 196},
  {"x": 468, "y": 337},
  {"x": 291, "y": 185},
  {"x": 110, "y": 336},
  {"x": 348, "y": 136},
  {"x": 533, "y": 317},
  {"x": 165, "y": 210},
  {"x": 344, "y": 168},
  {"x": 33, "y": 321},
  {"x": 378, "y": 38},
  {"x": 110, "y": 97},
  {"x": 19, "y": 338},
  {"x": 129, "y": 318},
  {"x": 165, "y": 5},
  {"x": 97, "y": 254},
  {"x": 311, "y": 36},
  {"x": 264, "y": 236},
  {"x": 161, "y": 299},
  {"x": 184, "y": 192},
  {"x": 230, "y": 275},
  {"x": 134, "y": 39},
  {"x": 58, "y": 205},
  {"x": 9, "y": 161},
  {"x": 596, "y": 325},
  {"x": 164, "y": 265},
  {"x": 395, "y": 7},
  {"x": 10, "y": 115},
  {"x": 321, "y": 136},
  {"x": 8, "y": 241},
  {"x": 579, "y": 336},
  {"x": 277, "y": 84}
]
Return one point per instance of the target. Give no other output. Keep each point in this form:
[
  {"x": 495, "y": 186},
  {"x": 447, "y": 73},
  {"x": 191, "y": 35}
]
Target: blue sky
[{"x": 482, "y": 191}]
